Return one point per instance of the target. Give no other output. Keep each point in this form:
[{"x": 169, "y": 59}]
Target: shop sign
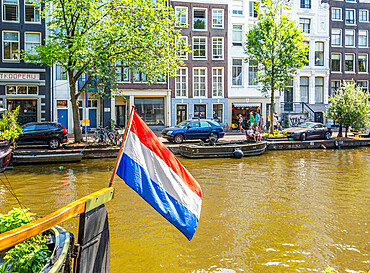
[
  {"x": 61, "y": 103},
  {"x": 19, "y": 76}
]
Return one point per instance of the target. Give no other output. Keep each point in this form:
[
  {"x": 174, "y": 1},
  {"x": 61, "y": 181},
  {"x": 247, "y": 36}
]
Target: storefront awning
[{"x": 246, "y": 104}]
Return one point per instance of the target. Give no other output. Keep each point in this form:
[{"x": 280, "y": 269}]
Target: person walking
[
  {"x": 241, "y": 130},
  {"x": 261, "y": 123}
]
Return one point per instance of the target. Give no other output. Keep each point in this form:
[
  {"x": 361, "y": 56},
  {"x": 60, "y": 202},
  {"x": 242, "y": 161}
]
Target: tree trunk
[
  {"x": 76, "y": 114},
  {"x": 346, "y": 131},
  {"x": 272, "y": 110},
  {"x": 340, "y": 134}
]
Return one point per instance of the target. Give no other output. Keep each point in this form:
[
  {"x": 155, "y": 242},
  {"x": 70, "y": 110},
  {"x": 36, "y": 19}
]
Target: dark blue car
[{"x": 194, "y": 129}]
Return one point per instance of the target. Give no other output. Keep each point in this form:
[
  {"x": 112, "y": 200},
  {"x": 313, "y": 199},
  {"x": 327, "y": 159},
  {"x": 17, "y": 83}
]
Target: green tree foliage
[
  {"x": 350, "y": 107},
  {"x": 277, "y": 44},
  {"x": 28, "y": 256},
  {"x": 92, "y": 35},
  {"x": 9, "y": 126}
]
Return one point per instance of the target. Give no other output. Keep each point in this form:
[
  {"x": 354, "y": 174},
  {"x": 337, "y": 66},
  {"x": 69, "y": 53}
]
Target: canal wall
[{"x": 97, "y": 151}]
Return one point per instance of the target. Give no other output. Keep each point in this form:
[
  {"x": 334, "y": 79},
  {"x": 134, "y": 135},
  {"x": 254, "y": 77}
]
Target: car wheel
[
  {"x": 327, "y": 135},
  {"x": 303, "y": 137},
  {"x": 54, "y": 143},
  {"x": 178, "y": 138},
  {"x": 213, "y": 136}
]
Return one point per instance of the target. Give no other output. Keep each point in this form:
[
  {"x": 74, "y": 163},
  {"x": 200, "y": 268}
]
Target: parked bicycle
[{"x": 102, "y": 135}]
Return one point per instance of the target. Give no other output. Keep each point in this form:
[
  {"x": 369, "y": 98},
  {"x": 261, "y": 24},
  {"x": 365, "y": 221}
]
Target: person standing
[
  {"x": 275, "y": 122},
  {"x": 257, "y": 119},
  {"x": 261, "y": 123},
  {"x": 251, "y": 118},
  {"x": 241, "y": 130}
]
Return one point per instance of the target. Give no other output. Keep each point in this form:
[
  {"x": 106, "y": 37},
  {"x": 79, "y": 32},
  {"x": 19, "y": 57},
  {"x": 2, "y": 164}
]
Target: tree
[
  {"x": 277, "y": 44},
  {"x": 9, "y": 126},
  {"x": 350, "y": 106},
  {"x": 91, "y": 36}
]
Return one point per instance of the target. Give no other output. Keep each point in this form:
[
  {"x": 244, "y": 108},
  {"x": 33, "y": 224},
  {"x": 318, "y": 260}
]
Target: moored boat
[
  {"x": 5, "y": 154},
  {"x": 46, "y": 158},
  {"x": 222, "y": 149}
]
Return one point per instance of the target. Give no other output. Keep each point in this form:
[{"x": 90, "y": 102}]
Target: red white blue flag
[{"x": 153, "y": 171}]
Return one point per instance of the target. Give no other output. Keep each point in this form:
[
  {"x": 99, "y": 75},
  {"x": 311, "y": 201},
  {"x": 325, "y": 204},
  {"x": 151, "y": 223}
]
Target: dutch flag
[{"x": 151, "y": 170}]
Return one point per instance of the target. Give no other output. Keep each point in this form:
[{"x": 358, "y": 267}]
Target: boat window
[
  {"x": 204, "y": 124},
  {"x": 307, "y": 125},
  {"x": 28, "y": 128},
  {"x": 194, "y": 124}
]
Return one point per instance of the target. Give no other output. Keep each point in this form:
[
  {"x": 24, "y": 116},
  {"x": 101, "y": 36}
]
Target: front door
[
  {"x": 181, "y": 113},
  {"x": 288, "y": 99},
  {"x": 120, "y": 115},
  {"x": 27, "y": 109},
  {"x": 92, "y": 118},
  {"x": 63, "y": 117}
]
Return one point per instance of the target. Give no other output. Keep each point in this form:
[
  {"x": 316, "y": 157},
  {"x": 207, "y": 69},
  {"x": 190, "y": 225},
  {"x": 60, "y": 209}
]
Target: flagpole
[{"x": 122, "y": 144}]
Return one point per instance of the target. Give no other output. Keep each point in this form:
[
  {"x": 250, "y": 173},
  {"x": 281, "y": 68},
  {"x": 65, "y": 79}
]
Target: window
[
  {"x": 253, "y": 9},
  {"x": 123, "y": 72},
  {"x": 305, "y": 24},
  {"x": 10, "y": 10},
  {"x": 319, "y": 90},
  {"x": 319, "y": 54},
  {"x": 350, "y": 16},
  {"x": 218, "y": 112},
  {"x": 10, "y": 45},
  {"x": 238, "y": 7},
  {"x": 336, "y": 14},
  {"x": 363, "y": 15},
  {"x": 200, "y": 111},
  {"x": 200, "y": 19},
  {"x": 151, "y": 110},
  {"x": 237, "y": 68},
  {"x": 92, "y": 103},
  {"x": 335, "y": 62},
  {"x": 364, "y": 85},
  {"x": 252, "y": 72},
  {"x": 350, "y": 37},
  {"x": 181, "y": 43},
  {"x": 336, "y": 37},
  {"x": 139, "y": 76},
  {"x": 218, "y": 18},
  {"x": 21, "y": 90},
  {"x": 181, "y": 82},
  {"x": 200, "y": 49},
  {"x": 61, "y": 73},
  {"x": 237, "y": 34},
  {"x": 305, "y": 4},
  {"x": 182, "y": 16},
  {"x": 362, "y": 38},
  {"x": 304, "y": 87},
  {"x": 31, "y": 12},
  {"x": 32, "y": 39},
  {"x": 348, "y": 63},
  {"x": 218, "y": 48},
  {"x": 200, "y": 85},
  {"x": 362, "y": 63},
  {"x": 334, "y": 86},
  {"x": 217, "y": 82},
  {"x": 308, "y": 52},
  {"x": 62, "y": 103}
]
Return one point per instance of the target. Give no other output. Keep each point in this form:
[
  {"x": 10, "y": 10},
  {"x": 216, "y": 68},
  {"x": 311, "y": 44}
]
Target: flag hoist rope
[{"x": 122, "y": 144}]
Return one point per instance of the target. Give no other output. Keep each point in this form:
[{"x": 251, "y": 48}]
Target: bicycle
[{"x": 103, "y": 136}]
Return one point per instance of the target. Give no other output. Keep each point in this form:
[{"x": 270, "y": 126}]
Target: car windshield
[
  {"x": 182, "y": 124},
  {"x": 307, "y": 125}
]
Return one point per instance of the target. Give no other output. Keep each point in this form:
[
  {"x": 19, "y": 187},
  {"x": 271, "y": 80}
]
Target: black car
[
  {"x": 309, "y": 130},
  {"x": 43, "y": 133}
]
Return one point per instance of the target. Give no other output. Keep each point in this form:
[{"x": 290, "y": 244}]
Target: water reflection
[{"x": 291, "y": 211}]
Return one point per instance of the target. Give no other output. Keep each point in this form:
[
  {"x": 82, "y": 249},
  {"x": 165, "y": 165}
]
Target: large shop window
[
  {"x": 151, "y": 110},
  {"x": 27, "y": 109},
  {"x": 200, "y": 110},
  {"x": 21, "y": 90},
  {"x": 218, "y": 110}
]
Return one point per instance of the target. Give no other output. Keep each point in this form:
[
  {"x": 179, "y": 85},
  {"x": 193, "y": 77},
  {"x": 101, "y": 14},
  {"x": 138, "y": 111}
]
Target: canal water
[{"x": 283, "y": 211}]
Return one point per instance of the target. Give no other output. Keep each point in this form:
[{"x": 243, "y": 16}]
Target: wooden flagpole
[{"x": 123, "y": 143}]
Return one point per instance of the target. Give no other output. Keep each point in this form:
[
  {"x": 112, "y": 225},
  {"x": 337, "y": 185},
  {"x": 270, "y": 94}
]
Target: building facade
[
  {"x": 349, "y": 50},
  {"x": 23, "y": 84},
  {"x": 199, "y": 89},
  {"x": 309, "y": 90}
]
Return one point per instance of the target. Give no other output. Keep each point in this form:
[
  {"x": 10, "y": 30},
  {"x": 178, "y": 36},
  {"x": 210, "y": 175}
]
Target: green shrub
[{"x": 28, "y": 256}]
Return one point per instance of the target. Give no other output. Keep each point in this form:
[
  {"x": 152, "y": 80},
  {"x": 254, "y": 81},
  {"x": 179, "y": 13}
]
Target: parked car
[
  {"x": 43, "y": 133},
  {"x": 309, "y": 130},
  {"x": 194, "y": 129}
]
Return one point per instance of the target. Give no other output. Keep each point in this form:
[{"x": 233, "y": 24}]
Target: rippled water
[{"x": 288, "y": 211}]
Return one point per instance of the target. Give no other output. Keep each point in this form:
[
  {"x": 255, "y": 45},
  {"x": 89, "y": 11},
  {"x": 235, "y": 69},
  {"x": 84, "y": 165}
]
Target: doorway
[{"x": 181, "y": 113}]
